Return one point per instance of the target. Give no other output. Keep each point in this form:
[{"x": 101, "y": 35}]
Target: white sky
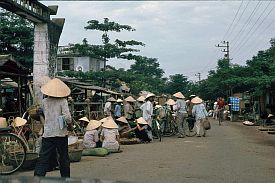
[{"x": 181, "y": 34}]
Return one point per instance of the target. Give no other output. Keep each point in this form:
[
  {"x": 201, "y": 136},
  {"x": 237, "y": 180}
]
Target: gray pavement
[{"x": 229, "y": 153}]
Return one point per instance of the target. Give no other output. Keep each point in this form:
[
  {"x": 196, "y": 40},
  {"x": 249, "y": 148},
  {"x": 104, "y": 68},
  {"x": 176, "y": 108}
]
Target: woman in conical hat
[
  {"x": 129, "y": 108},
  {"x": 109, "y": 135},
  {"x": 124, "y": 128},
  {"x": 142, "y": 130},
  {"x": 57, "y": 117},
  {"x": 91, "y": 137},
  {"x": 200, "y": 114},
  {"x": 83, "y": 122}
]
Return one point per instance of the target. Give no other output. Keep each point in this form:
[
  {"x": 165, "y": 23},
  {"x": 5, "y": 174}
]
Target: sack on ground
[
  {"x": 95, "y": 152},
  {"x": 206, "y": 124}
]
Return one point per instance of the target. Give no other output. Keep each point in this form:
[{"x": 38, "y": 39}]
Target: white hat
[
  {"x": 130, "y": 99},
  {"x": 215, "y": 103},
  {"x": 93, "y": 124},
  {"x": 141, "y": 99},
  {"x": 119, "y": 100},
  {"x": 179, "y": 95},
  {"x": 84, "y": 119},
  {"x": 196, "y": 100},
  {"x": 3, "y": 122},
  {"x": 270, "y": 115},
  {"x": 122, "y": 119},
  {"x": 170, "y": 102},
  {"x": 111, "y": 99},
  {"x": 158, "y": 106},
  {"x": 109, "y": 123},
  {"x": 150, "y": 95},
  {"x": 19, "y": 122},
  {"x": 56, "y": 88},
  {"x": 142, "y": 121}
]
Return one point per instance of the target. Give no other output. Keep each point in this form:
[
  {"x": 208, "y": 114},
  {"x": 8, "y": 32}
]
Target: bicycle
[
  {"x": 156, "y": 129},
  {"x": 12, "y": 152},
  {"x": 220, "y": 116}
]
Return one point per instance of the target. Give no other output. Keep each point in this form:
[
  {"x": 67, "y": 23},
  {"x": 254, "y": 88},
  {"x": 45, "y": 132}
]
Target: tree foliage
[{"x": 16, "y": 37}]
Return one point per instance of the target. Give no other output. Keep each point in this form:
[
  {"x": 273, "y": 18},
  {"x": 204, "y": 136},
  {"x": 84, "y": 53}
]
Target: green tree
[
  {"x": 16, "y": 37},
  {"x": 176, "y": 83}
]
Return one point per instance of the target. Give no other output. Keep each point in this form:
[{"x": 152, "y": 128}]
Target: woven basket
[
  {"x": 32, "y": 110},
  {"x": 75, "y": 155}
]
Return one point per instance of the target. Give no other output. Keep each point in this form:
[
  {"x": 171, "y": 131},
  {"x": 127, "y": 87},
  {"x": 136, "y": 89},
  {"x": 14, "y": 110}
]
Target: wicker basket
[
  {"x": 75, "y": 155},
  {"x": 32, "y": 110}
]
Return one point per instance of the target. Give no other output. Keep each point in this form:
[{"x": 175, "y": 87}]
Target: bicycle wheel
[
  {"x": 220, "y": 117},
  {"x": 168, "y": 129},
  {"x": 12, "y": 153}
]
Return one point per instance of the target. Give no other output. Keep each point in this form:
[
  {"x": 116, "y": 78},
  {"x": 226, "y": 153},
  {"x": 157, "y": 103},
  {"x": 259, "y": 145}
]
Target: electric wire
[
  {"x": 242, "y": 30},
  {"x": 229, "y": 27},
  {"x": 255, "y": 30},
  {"x": 239, "y": 18},
  {"x": 256, "y": 46}
]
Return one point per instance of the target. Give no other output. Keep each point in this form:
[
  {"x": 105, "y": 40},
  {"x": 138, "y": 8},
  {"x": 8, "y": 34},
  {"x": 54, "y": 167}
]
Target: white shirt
[
  {"x": 147, "y": 110},
  {"x": 107, "y": 108}
]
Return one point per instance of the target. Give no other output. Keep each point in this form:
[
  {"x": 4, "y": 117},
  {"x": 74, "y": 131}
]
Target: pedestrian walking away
[
  {"x": 181, "y": 114},
  {"x": 200, "y": 114},
  {"x": 57, "y": 117}
]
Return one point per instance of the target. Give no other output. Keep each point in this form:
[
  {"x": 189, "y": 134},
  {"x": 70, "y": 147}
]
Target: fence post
[{"x": 88, "y": 108}]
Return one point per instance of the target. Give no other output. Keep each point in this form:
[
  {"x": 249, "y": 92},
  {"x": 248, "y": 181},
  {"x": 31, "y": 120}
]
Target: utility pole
[
  {"x": 198, "y": 75},
  {"x": 225, "y": 45}
]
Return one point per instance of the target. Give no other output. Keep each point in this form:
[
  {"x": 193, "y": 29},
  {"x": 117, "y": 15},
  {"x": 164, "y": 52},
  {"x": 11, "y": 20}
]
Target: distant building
[{"x": 67, "y": 60}]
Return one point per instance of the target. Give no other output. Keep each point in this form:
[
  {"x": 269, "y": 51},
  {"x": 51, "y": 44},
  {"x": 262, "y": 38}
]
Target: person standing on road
[
  {"x": 221, "y": 105},
  {"x": 147, "y": 112},
  {"x": 55, "y": 136},
  {"x": 117, "y": 112},
  {"x": 108, "y": 106},
  {"x": 181, "y": 114},
  {"x": 128, "y": 108},
  {"x": 200, "y": 114}
]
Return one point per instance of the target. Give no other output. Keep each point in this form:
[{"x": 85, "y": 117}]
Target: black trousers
[{"x": 49, "y": 146}]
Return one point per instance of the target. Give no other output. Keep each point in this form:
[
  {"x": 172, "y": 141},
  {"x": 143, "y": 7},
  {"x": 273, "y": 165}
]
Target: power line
[
  {"x": 256, "y": 28},
  {"x": 257, "y": 45},
  {"x": 246, "y": 24},
  {"x": 229, "y": 27},
  {"x": 239, "y": 18},
  {"x": 247, "y": 34}
]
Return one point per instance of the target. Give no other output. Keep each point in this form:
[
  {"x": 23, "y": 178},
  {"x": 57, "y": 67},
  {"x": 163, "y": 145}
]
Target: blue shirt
[
  {"x": 118, "y": 110},
  {"x": 199, "y": 111}
]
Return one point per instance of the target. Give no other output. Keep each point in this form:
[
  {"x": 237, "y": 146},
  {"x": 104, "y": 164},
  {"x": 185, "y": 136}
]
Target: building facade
[{"x": 68, "y": 61}]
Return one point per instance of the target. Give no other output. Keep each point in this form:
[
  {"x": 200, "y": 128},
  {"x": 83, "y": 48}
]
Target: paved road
[{"x": 230, "y": 153}]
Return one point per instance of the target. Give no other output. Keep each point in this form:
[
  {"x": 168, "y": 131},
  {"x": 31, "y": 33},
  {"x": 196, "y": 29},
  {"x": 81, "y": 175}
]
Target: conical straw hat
[
  {"x": 141, "y": 99},
  {"x": 93, "y": 124},
  {"x": 150, "y": 95},
  {"x": 103, "y": 120},
  {"x": 3, "y": 122},
  {"x": 109, "y": 123},
  {"x": 119, "y": 100},
  {"x": 122, "y": 119},
  {"x": 19, "y": 122},
  {"x": 196, "y": 100},
  {"x": 84, "y": 119},
  {"x": 111, "y": 99},
  {"x": 56, "y": 88},
  {"x": 179, "y": 95},
  {"x": 130, "y": 99},
  {"x": 170, "y": 102},
  {"x": 142, "y": 121}
]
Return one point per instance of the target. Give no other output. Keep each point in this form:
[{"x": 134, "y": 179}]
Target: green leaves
[{"x": 16, "y": 37}]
